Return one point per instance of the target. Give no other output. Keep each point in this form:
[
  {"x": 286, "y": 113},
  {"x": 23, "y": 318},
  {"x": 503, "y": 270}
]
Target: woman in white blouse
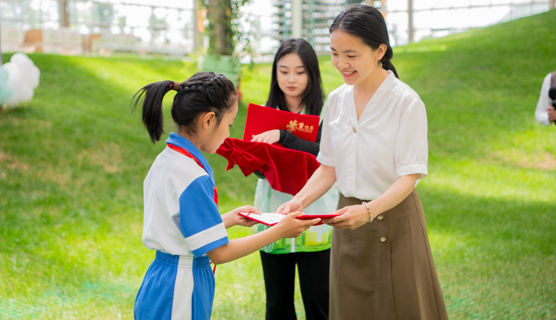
[
  {"x": 545, "y": 113},
  {"x": 374, "y": 147}
]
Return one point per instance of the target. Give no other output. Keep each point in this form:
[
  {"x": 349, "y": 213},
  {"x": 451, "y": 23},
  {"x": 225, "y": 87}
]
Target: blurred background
[
  {"x": 178, "y": 28},
  {"x": 73, "y": 156}
]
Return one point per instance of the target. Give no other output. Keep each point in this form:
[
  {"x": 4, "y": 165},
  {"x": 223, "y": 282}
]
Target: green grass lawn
[{"x": 72, "y": 163}]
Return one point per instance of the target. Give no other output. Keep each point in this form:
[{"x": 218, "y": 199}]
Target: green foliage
[
  {"x": 72, "y": 162},
  {"x": 224, "y": 29}
]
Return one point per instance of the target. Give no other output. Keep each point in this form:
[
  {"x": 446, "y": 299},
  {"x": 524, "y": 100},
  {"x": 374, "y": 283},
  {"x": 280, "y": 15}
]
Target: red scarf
[{"x": 188, "y": 154}]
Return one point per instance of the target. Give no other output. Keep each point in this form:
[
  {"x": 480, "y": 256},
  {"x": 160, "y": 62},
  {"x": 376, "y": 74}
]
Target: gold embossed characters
[{"x": 293, "y": 125}]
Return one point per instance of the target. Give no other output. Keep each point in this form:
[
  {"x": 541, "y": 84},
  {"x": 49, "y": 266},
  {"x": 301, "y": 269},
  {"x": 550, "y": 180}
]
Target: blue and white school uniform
[{"x": 182, "y": 223}]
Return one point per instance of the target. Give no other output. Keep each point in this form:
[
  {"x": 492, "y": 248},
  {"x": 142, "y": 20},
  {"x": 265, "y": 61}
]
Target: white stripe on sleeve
[{"x": 206, "y": 236}]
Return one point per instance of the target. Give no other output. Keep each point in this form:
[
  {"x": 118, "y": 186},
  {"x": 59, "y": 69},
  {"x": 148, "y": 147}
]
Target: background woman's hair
[
  {"x": 313, "y": 95},
  {"x": 367, "y": 24},
  {"x": 203, "y": 92}
]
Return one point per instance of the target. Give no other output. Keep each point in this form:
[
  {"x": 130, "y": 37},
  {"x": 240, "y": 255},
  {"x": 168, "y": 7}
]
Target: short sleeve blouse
[{"x": 388, "y": 141}]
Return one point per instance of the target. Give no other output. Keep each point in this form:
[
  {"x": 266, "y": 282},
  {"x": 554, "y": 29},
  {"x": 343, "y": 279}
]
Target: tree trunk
[
  {"x": 64, "y": 14},
  {"x": 220, "y": 27}
]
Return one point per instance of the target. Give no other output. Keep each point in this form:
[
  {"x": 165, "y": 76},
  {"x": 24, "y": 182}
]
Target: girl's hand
[
  {"x": 292, "y": 227},
  {"x": 232, "y": 218},
  {"x": 352, "y": 217},
  {"x": 270, "y": 136},
  {"x": 290, "y": 206}
]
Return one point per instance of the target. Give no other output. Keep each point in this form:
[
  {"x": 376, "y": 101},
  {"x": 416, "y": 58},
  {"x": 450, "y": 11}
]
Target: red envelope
[{"x": 285, "y": 169}]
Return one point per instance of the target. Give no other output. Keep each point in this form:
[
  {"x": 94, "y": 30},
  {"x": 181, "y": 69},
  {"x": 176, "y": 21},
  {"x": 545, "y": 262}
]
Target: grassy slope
[{"x": 73, "y": 160}]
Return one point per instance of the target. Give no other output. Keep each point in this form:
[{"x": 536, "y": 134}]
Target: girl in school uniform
[
  {"x": 374, "y": 147},
  {"x": 295, "y": 87},
  {"x": 181, "y": 218}
]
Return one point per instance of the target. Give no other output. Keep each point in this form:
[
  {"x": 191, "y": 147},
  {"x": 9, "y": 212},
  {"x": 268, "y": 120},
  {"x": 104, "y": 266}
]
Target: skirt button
[
  {"x": 380, "y": 217},
  {"x": 382, "y": 239}
]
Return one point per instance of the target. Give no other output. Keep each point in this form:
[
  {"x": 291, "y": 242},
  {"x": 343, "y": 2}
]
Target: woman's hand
[
  {"x": 551, "y": 114},
  {"x": 290, "y": 206},
  {"x": 270, "y": 136},
  {"x": 232, "y": 218},
  {"x": 352, "y": 217}
]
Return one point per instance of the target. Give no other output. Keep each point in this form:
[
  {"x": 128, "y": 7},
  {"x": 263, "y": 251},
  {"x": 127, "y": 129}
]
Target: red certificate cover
[
  {"x": 261, "y": 119},
  {"x": 271, "y": 219},
  {"x": 314, "y": 216}
]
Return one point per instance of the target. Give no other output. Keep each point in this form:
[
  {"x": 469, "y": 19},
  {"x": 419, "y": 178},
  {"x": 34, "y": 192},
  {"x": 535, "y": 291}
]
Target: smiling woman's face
[{"x": 355, "y": 60}]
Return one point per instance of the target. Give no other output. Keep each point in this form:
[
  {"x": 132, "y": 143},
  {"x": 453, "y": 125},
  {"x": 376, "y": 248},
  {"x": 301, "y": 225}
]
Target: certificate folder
[
  {"x": 286, "y": 170},
  {"x": 261, "y": 119},
  {"x": 271, "y": 219}
]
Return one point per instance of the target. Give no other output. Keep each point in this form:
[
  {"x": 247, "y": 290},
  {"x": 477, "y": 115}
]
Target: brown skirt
[{"x": 384, "y": 269}]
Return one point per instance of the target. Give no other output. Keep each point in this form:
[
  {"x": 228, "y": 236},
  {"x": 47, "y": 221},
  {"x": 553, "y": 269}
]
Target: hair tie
[{"x": 175, "y": 85}]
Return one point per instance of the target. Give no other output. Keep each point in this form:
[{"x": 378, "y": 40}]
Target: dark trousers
[{"x": 279, "y": 279}]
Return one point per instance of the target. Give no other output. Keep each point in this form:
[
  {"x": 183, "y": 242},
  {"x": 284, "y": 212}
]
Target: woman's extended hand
[
  {"x": 232, "y": 218},
  {"x": 270, "y": 136},
  {"x": 290, "y": 206},
  {"x": 352, "y": 217}
]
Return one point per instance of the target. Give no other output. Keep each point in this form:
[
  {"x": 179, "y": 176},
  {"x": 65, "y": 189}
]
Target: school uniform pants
[{"x": 279, "y": 278}]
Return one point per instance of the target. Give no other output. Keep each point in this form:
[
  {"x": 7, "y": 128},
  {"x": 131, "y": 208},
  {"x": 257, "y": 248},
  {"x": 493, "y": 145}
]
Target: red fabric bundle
[{"x": 286, "y": 170}]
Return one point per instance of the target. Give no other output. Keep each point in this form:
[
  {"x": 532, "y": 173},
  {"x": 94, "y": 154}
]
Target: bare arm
[
  {"x": 357, "y": 215},
  {"x": 398, "y": 191},
  {"x": 289, "y": 227},
  {"x": 320, "y": 182}
]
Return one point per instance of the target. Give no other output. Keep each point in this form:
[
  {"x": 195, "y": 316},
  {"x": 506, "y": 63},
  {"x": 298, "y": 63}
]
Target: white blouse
[
  {"x": 388, "y": 141},
  {"x": 541, "y": 113}
]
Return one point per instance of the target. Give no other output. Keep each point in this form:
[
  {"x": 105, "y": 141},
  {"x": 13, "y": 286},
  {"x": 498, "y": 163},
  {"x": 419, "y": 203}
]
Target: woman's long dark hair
[
  {"x": 313, "y": 95},
  {"x": 203, "y": 92},
  {"x": 367, "y": 24}
]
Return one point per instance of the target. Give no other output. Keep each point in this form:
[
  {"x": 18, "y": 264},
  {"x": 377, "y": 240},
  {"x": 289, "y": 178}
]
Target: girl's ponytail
[
  {"x": 203, "y": 92},
  {"x": 386, "y": 63},
  {"x": 152, "y": 106}
]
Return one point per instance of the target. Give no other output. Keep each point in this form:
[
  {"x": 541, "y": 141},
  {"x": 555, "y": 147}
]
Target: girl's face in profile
[
  {"x": 220, "y": 131},
  {"x": 291, "y": 75}
]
